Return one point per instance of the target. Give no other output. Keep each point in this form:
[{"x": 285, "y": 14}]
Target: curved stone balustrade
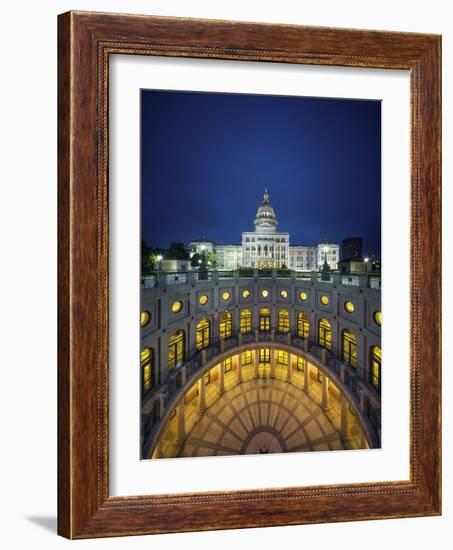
[{"x": 162, "y": 401}]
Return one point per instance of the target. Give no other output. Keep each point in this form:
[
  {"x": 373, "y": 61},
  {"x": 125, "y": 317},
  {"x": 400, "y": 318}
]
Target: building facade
[{"x": 267, "y": 248}]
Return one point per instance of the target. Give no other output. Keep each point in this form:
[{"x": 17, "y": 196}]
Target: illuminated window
[
  {"x": 246, "y": 293},
  {"x": 324, "y": 334},
  {"x": 282, "y": 357},
  {"x": 349, "y": 307},
  {"x": 146, "y": 360},
  {"x": 265, "y": 356},
  {"x": 203, "y": 334},
  {"x": 228, "y": 365},
  {"x": 349, "y": 348},
  {"x": 176, "y": 307},
  {"x": 203, "y": 300},
  {"x": 303, "y": 296},
  {"x": 246, "y": 358},
  {"x": 284, "y": 293},
  {"x": 283, "y": 321},
  {"x": 377, "y": 317},
  {"x": 375, "y": 366},
  {"x": 265, "y": 320},
  {"x": 145, "y": 318},
  {"x": 264, "y": 293},
  {"x": 303, "y": 325},
  {"x": 226, "y": 296},
  {"x": 176, "y": 349},
  {"x": 324, "y": 300},
  {"x": 226, "y": 327},
  {"x": 246, "y": 321},
  {"x": 300, "y": 364}
]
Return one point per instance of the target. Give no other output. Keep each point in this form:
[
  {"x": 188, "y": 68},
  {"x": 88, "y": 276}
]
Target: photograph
[{"x": 260, "y": 287}]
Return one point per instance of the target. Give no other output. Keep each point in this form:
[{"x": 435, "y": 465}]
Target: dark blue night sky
[{"x": 207, "y": 157}]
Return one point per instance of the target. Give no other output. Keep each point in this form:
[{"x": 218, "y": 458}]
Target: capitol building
[{"x": 267, "y": 248}]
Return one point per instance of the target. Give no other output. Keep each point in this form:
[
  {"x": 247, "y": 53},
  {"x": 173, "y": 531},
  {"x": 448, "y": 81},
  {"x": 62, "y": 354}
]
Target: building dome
[{"x": 265, "y": 220}]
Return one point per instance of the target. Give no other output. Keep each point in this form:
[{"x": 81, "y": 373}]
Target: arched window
[
  {"x": 375, "y": 366},
  {"x": 349, "y": 348},
  {"x": 246, "y": 321},
  {"x": 303, "y": 325},
  {"x": 226, "y": 327},
  {"x": 203, "y": 334},
  {"x": 265, "y": 320},
  {"x": 283, "y": 320},
  {"x": 176, "y": 349},
  {"x": 146, "y": 360},
  {"x": 325, "y": 334}
]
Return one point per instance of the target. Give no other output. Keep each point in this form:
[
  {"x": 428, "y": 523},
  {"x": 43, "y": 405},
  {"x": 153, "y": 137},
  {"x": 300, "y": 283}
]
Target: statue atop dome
[{"x": 265, "y": 220}]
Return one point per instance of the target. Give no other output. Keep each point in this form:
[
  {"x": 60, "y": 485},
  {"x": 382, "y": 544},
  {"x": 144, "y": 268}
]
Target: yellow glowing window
[
  {"x": 349, "y": 307},
  {"x": 282, "y": 357},
  {"x": 176, "y": 349},
  {"x": 284, "y": 293},
  {"x": 145, "y": 318},
  {"x": 246, "y": 321},
  {"x": 226, "y": 296},
  {"x": 264, "y": 293},
  {"x": 349, "y": 348},
  {"x": 264, "y": 356},
  {"x": 303, "y": 296},
  {"x": 301, "y": 364},
  {"x": 265, "y": 320},
  {"x": 324, "y": 299},
  {"x": 375, "y": 366},
  {"x": 246, "y": 358},
  {"x": 227, "y": 365},
  {"x": 246, "y": 293},
  {"x": 325, "y": 334},
  {"x": 146, "y": 359},
  {"x": 203, "y": 300},
  {"x": 303, "y": 325},
  {"x": 225, "y": 327},
  {"x": 378, "y": 317},
  {"x": 176, "y": 307},
  {"x": 283, "y": 321},
  {"x": 203, "y": 334}
]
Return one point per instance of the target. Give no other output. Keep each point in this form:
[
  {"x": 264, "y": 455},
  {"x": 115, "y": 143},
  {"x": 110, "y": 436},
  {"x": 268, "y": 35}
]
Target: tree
[{"x": 177, "y": 251}]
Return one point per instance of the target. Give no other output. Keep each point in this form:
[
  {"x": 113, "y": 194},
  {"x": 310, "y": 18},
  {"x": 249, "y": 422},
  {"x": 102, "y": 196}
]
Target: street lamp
[
  {"x": 366, "y": 260},
  {"x": 159, "y": 259}
]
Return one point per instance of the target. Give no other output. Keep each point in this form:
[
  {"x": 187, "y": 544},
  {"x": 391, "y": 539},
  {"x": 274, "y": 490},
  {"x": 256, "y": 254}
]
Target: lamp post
[
  {"x": 159, "y": 259},
  {"x": 366, "y": 260}
]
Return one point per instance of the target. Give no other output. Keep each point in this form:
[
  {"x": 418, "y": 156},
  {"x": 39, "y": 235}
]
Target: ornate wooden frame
[{"x": 85, "y": 43}]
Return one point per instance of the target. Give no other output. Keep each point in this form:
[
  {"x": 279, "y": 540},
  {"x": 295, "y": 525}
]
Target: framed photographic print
[{"x": 239, "y": 204}]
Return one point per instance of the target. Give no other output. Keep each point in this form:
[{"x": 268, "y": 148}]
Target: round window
[
  {"x": 284, "y": 293},
  {"x": 203, "y": 300},
  {"x": 226, "y": 296},
  {"x": 349, "y": 307},
  {"x": 264, "y": 293},
  {"x": 145, "y": 317},
  {"x": 246, "y": 293},
  {"x": 303, "y": 296},
  {"x": 378, "y": 317},
  {"x": 176, "y": 307},
  {"x": 324, "y": 300}
]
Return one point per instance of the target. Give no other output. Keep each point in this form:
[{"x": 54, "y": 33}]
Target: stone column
[
  {"x": 307, "y": 377},
  {"x": 289, "y": 372},
  {"x": 256, "y": 363},
  {"x": 239, "y": 369},
  {"x": 201, "y": 395},
  {"x": 180, "y": 423},
  {"x": 345, "y": 423},
  {"x": 221, "y": 382},
  {"x": 325, "y": 393},
  {"x": 273, "y": 363}
]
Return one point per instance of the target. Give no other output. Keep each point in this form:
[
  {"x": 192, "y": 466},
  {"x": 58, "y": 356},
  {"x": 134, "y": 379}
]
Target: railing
[
  {"x": 162, "y": 398},
  {"x": 162, "y": 278}
]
